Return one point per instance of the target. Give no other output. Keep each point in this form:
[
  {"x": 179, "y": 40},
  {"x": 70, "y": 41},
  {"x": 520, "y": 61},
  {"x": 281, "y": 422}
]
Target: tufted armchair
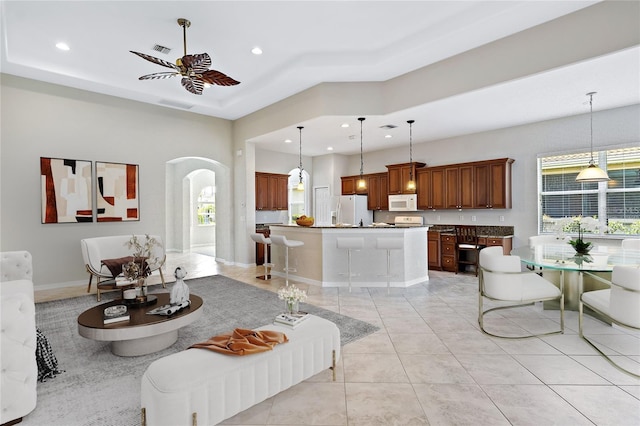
[{"x": 17, "y": 337}]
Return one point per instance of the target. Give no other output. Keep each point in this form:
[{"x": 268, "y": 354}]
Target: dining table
[{"x": 576, "y": 273}]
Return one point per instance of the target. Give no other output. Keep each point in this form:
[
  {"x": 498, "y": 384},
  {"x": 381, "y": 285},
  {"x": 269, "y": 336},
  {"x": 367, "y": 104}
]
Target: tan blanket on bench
[{"x": 243, "y": 342}]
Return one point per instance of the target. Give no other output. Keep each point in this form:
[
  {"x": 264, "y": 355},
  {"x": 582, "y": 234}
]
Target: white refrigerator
[{"x": 352, "y": 209}]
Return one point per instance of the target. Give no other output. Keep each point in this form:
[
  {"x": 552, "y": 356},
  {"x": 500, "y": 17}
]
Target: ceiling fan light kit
[{"x": 194, "y": 69}]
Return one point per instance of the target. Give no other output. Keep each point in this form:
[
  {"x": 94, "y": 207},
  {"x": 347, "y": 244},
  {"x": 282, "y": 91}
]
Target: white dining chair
[
  {"x": 501, "y": 279},
  {"x": 631, "y": 244},
  {"x": 619, "y": 304}
]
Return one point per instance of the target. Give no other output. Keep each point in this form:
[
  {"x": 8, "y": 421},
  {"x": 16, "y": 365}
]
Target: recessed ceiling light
[
  {"x": 344, "y": 125},
  {"x": 329, "y": 148},
  {"x": 62, "y": 46},
  {"x": 287, "y": 141},
  {"x": 256, "y": 51},
  {"x": 388, "y": 136}
]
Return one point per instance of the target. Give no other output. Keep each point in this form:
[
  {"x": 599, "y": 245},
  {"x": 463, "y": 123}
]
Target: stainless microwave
[{"x": 403, "y": 203}]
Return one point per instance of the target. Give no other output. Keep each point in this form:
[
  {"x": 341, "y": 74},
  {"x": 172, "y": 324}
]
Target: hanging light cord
[
  {"x": 361, "y": 162},
  {"x": 410, "y": 148},
  {"x": 300, "y": 168},
  {"x": 591, "y": 122}
]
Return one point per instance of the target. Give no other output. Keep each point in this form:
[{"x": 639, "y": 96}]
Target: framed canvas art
[
  {"x": 66, "y": 190},
  {"x": 117, "y": 192}
]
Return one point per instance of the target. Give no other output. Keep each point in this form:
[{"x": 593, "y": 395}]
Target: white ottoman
[{"x": 210, "y": 387}]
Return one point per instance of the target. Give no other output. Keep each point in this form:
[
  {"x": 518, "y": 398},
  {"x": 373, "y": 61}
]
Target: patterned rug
[{"x": 99, "y": 388}]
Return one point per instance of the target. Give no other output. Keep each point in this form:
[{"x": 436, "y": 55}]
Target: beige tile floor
[{"x": 430, "y": 365}]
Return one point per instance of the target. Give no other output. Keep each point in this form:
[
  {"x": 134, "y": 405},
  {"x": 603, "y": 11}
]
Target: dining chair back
[
  {"x": 631, "y": 243},
  {"x": 502, "y": 279}
]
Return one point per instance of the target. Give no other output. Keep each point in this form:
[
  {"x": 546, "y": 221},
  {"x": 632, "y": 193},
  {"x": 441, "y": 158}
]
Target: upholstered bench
[
  {"x": 97, "y": 249},
  {"x": 206, "y": 387}
]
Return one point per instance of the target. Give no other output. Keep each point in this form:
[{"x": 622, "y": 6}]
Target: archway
[{"x": 187, "y": 179}]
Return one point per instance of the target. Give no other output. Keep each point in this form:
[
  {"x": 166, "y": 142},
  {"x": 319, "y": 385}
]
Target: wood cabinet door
[
  {"x": 348, "y": 184},
  {"x": 438, "y": 183},
  {"x": 452, "y": 177},
  {"x": 262, "y": 191},
  {"x": 466, "y": 187},
  {"x": 384, "y": 191},
  {"x": 282, "y": 193},
  {"x": 433, "y": 250},
  {"x": 500, "y": 196},
  {"x": 423, "y": 182},
  {"x": 482, "y": 186},
  {"x": 373, "y": 199},
  {"x": 395, "y": 180}
]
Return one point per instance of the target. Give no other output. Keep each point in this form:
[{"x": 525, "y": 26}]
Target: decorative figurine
[{"x": 180, "y": 291}]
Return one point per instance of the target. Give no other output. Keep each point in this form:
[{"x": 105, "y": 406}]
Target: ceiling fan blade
[
  {"x": 159, "y": 75},
  {"x": 200, "y": 60},
  {"x": 193, "y": 85},
  {"x": 156, "y": 60},
  {"x": 216, "y": 77}
]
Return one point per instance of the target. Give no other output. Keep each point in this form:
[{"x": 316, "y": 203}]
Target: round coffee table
[{"x": 142, "y": 334}]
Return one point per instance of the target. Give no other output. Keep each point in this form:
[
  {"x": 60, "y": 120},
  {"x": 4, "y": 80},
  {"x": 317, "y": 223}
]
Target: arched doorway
[{"x": 197, "y": 188}]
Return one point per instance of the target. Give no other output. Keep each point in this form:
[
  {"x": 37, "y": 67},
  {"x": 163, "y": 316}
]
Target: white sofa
[
  {"x": 198, "y": 386},
  {"x": 97, "y": 249},
  {"x": 18, "y": 337}
]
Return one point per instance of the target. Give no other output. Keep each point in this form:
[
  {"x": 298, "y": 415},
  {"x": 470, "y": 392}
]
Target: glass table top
[{"x": 563, "y": 257}]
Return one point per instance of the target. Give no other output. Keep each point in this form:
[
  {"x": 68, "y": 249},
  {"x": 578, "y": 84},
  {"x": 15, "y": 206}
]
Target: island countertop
[{"x": 320, "y": 262}]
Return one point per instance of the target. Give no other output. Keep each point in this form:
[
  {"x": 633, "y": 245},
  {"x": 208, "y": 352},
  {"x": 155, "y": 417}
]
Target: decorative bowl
[{"x": 306, "y": 221}]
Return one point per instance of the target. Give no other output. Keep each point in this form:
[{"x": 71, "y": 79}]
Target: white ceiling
[{"x": 306, "y": 43}]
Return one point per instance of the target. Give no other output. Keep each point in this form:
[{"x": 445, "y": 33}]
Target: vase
[{"x": 292, "y": 306}]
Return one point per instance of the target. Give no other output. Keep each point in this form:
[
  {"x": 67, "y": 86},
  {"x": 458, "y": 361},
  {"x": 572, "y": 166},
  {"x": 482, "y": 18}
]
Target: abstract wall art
[
  {"x": 66, "y": 190},
  {"x": 117, "y": 192}
]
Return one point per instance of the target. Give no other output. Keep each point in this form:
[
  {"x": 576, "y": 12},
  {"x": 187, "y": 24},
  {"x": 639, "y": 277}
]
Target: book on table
[
  {"x": 291, "y": 320},
  {"x": 116, "y": 313}
]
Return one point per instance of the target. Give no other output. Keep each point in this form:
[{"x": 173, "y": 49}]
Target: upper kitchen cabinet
[
  {"x": 400, "y": 174},
  {"x": 431, "y": 188},
  {"x": 378, "y": 192},
  {"x": 350, "y": 185},
  {"x": 493, "y": 184},
  {"x": 459, "y": 187},
  {"x": 271, "y": 191}
]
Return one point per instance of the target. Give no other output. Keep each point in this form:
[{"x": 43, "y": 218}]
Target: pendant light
[
  {"x": 411, "y": 185},
  {"x": 362, "y": 184},
  {"x": 300, "y": 186},
  {"x": 592, "y": 173}
]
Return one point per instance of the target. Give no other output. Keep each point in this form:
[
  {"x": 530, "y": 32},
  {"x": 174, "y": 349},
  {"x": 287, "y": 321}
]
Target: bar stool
[
  {"x": 350, "y": 244},
  {"x": 281, "y": 240},
  {"x": 388, "y": 244},
  {"x": 261, "y": 239}
]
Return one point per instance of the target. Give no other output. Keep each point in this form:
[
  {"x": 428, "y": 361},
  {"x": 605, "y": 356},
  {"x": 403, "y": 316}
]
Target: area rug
[{"x": 99, "y": 388}]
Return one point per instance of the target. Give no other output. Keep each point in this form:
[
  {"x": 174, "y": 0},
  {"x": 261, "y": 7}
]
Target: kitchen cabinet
[
  {"x": 349, "y": 185},
  {"x": 459, "y": 187},
  {"x": 260, "y": 258},
  {"x": 378, "y": 192},
  {"x": 433, "y": 250},
  {"x": 505, "y": 242},
  {"x": 400, "y": 174},
  {"x": 448, "y": 252},
  {"x": 431, "y": 188},
  {"x": 493, "y": 184},
  {"x": 271, "y": 191}
]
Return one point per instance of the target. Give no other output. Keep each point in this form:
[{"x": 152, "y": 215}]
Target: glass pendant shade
[
  {"x": 592, "y": 173},
  {"x": 362, "y": 184},
  {"x": 300, "y": 186},
  {"x": 411, "y": 185}
]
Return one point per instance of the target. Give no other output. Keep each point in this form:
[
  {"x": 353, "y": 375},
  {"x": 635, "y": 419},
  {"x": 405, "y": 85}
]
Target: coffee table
[{"x": 142, "y": 334}]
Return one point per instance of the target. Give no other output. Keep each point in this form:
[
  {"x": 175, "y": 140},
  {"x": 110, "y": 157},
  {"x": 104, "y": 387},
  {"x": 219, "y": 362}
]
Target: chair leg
[
  {"x": 388, "y": 271},
  {"x": 90, "y": 279},
  {"x": 349, "y": 268}
]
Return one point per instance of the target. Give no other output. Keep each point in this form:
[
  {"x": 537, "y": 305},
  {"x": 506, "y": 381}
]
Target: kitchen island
[{"x": 319, "y": 262}]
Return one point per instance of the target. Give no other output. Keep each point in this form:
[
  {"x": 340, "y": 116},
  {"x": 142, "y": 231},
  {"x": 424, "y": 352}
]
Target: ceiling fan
[{"x": 194, "y": 69}]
